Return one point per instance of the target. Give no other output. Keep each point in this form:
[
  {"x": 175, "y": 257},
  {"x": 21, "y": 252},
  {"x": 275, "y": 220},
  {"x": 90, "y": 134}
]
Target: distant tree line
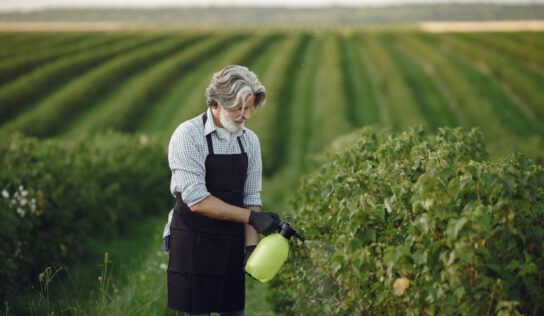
[{"x": 285, "y": 16}]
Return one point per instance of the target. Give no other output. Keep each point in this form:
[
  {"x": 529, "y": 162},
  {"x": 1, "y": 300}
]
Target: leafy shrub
[
  {"x": 416, "y": 224},
  {"x": 56, "y": 195}
]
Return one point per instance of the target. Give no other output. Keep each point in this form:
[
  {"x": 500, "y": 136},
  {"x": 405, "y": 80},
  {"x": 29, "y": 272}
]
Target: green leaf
[
  {"x": 454, "y": 226},
  {"x": 391, "y": 256}
]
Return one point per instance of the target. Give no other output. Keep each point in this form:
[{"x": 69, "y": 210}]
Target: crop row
[
  {"x": 14, "y": 44},
  {"x": 82, "y": 92},
  {"x": 320, "y": 84},
  {"x": 464, "y": 85},
  {"x": 123, "y": 110},
  {"x": 425, "y": 91},
  {"x": 364, "y": 108},
  {"x": 398, "y": 98},
  {"x": 13, "y": 67},
  {"x": 509, "y": 46},
  {"x": 331, "y": 108},
  {"x": 276, "y": 79},
  {"x": 300, "y": 111},
  {"x": 525, "y": 82},
  {"x": 19, "y": 94}
]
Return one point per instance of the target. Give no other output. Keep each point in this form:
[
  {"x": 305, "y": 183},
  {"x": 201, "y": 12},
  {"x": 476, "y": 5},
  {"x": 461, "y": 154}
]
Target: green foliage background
[
  {"x": 62, "y": 94},
  {"x": 75, "y": 191}
]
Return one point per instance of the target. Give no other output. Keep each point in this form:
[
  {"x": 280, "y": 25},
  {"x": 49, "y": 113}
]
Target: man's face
[{"x": 233, "y": 119}]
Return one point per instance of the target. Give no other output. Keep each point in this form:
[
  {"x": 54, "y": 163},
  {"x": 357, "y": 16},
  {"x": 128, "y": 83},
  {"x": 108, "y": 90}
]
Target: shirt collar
[{"x": 210, "y": 125}]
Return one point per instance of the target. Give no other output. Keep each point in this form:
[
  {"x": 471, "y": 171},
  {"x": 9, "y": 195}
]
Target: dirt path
[{"x": 483, "y": 26}]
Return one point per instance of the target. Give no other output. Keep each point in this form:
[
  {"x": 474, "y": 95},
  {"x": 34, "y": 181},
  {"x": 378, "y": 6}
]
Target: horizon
[{"x": 15, "y": 6}]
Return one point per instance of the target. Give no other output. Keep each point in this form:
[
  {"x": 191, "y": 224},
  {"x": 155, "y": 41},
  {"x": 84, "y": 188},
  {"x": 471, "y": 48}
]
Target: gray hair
[{"x": 231, "y": 86}]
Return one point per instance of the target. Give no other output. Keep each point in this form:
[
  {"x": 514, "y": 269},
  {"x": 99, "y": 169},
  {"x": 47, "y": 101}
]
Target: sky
[{"x": 30, "y": 5}]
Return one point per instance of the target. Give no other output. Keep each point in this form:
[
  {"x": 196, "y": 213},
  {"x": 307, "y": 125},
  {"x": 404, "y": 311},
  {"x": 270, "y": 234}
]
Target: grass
[{"x": 125, "y": 276}]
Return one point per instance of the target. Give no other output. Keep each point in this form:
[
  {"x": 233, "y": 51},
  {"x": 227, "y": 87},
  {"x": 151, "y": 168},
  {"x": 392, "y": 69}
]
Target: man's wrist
[
  {"x": 251, "y": 209},
  {"x": 248, "y": 216}
]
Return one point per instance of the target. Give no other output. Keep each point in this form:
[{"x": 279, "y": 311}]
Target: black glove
[
  {"x": 249, "y": 251},
  {"x": 264, "y": 222}
]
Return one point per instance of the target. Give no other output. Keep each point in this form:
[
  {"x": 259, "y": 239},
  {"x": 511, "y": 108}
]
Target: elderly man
[{"x": 216, "y": 179}]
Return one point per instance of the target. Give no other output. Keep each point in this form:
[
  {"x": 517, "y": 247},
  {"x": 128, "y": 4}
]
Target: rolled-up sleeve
[
  {"x": 253, "y": 186},
  {"x": 187, "y": 162}
]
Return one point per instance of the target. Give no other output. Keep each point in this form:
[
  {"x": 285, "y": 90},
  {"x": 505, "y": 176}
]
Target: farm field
[{"x": 321, "y": 84}]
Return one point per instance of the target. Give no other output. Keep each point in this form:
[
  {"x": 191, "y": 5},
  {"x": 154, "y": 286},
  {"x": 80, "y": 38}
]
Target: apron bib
[{"x": 205, "y": 272}]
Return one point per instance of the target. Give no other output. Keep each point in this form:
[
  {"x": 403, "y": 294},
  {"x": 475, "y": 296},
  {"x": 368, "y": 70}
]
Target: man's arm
[
  {"x": 252, "y": 189},
  {"x": 216, "y": 208}
]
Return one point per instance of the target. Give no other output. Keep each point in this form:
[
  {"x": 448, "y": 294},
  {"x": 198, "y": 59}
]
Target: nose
[{"x": 246, "y": 114}]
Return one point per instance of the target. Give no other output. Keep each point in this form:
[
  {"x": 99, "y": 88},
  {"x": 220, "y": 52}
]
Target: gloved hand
[
  {"x": 249, "y": 251},
  {"x": 264, "y": 222}
]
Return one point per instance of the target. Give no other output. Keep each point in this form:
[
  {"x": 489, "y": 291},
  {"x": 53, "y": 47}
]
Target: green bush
[
  {"x": 414, "y": 224},
  {"x": 56, "y": 195}
]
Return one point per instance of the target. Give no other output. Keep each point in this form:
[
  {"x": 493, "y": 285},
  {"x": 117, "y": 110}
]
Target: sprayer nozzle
[{"x": 287, "y": 231}]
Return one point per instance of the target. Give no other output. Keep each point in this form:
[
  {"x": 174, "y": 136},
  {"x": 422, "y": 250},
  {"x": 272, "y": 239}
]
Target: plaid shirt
[{"x": 187, "y": 153}]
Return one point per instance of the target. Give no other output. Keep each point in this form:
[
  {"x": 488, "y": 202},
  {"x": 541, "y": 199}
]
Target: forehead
[{"x": 250, "y": 100}]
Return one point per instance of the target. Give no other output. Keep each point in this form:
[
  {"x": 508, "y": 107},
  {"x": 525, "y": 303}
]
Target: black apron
[{"x": 205, "y": 272}]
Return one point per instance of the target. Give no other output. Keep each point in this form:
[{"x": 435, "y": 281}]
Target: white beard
[{"x": 228, "y": 122}]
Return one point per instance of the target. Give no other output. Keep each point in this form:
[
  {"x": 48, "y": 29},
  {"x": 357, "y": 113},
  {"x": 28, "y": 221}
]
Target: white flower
[
  {"x": 33, "y": 206},
  {"x": 23, "y": 202},
  {"x": 5, "y": 194},
  {"x": 24, "y": 193},
  {"x": 21, "y": 212},
  {"x": 163, "y": 266},
  {"x": 21, "y": 188}
]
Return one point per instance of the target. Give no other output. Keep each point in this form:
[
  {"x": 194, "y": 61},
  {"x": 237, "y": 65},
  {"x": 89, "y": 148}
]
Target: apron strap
[
  {"x": 210, "y": 145},
  {"x": 240, "y": 144},
  {"x": 209, "y": 136}
]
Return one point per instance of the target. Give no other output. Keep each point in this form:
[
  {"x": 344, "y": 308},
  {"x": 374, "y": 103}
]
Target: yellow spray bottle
[{"x": 270, "y": 253}]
